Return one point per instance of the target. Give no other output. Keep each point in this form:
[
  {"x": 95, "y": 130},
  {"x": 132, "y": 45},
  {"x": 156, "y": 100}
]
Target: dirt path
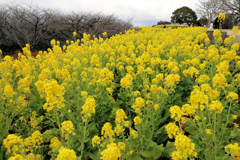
[{"x": 229, "y": 33}]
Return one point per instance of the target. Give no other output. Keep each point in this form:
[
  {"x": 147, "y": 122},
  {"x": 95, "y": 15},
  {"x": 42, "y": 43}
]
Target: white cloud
[{"x": 145, "y": 12}]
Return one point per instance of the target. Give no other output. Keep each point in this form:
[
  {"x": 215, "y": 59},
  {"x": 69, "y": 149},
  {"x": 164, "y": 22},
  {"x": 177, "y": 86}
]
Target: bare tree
[
  {"x": 27, "y": 24},
  {"x": 96, "y": 24},
  {"x": 232, "y": 7},
  {"x": 38, "y": 26},
  {"x": 209, "y": 9}
]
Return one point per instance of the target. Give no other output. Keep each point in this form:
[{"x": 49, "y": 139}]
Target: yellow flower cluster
[
  {"x": 235, "y": 47},
  {"x": 184, "y": 148},
  {"x": 176, "y": 113},
  {"x": 66, "y": 154},
  {"x": 221, "y": 17},
  {"x": 137, "y": 120},
  {"x": 17, "y": 157},
  {"x": 191, "y": 71},
  {"x": 217, "y": 35},
  {"x": 34, "y": 121},
  {"x": 216, "y": 105},
  {"x": 198, "y": 97},
  {"x": 122, "y": 146},
  {"x": 107, "y": 132},
  {"x": 17, "y": 144},
  {"x": 104, "y": 34},
  {"x": 88, "y": 108},
  {"x": 67, "y": 128},
  {"x": 235, "y": 30},
  {"x": 34, "y": 141},
  {"x": 111, "y": 153},
  {"x": 172, "y": 130},
  {"x": 11, "y": 143},
  {"x": 134, "y": 133},
  {"x": 8, "y": 91},
  {"x": 74, "y": 34},
  {"x": 53, "y": 93},
  {"x": 172, "y": 79},
  {"x": 139, "y": 103},
  {"x": 126, "y": 82},
  {"x": 208, "y": 131},
  {"x": 219, "y": 81},
  {"x": 232, "y": 96},
  {"x": 234, "y": 149},
  {"x": 120, "y": 118},
  {"x": 96, "y": 140},
  {"x": 149, "y": 64},
  {"x": 55, "y": 144}
]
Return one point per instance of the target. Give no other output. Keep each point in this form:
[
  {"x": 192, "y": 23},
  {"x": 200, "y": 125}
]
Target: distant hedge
[{"x": 170, "y": 25}]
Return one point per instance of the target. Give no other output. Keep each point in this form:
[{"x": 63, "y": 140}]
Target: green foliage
[
  {"x": 49, "y": 134},
  {"x": 184, "y": 15},
  {"x": 154, "y": 151},
  {"x": 169, "y": 148}
]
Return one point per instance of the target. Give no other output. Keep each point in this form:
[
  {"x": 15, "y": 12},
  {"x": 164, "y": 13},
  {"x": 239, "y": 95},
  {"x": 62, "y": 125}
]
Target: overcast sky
[{"x": 143, "y": 12}]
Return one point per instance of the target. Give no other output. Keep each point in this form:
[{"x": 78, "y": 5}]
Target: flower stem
[{"x": 84, "y": 134}]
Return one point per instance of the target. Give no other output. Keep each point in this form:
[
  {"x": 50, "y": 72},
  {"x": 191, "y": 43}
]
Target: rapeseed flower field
[{"x": 149, "y": 94}]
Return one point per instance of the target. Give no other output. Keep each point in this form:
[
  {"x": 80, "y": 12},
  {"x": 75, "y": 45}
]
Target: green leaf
[
  {"x": 93, "y": 156},
  {"x": 158, "y": 151},
  {"x": 122, "y": 95},
  {"x": 49, "y": 134},
  {"x": 134, "y": 156},
  {"x": 149, "y": 153},
  {"x": 191, "y": 128},
  {"x": 118, "y": 103},
  {"x": 92, "y": 127},
  {"x": 151, "y": 143},
  {"x": 233, "y": 134},
  {"x": 134, "y": 142},
  {"x": 148, "y": 134},
  {"x": 130, "y": 103},
  {"x": 153, "y": 152},
  {"x": 169, "y": 148},
  {"x": 237, "y": 138},
  {"x": 160, "y": 135},
  {"x": 198, "y": 149},
  {"x": 220, "y": 152},
  {"x": 207, "y": 154},
  {"x": 87, "y": 140}
]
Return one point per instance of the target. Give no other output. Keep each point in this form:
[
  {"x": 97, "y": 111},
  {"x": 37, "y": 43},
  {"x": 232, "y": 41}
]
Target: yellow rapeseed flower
[
  {"x": 176, "y": 113},
  {"x": 172, "y": 130},
  {"x": 111, "y": 153},
  {"x": 221, "y": 17},
  {"x": 234, "y": 150},
  {"x": 67, "y": 127},
  {"x": 66, "y": 154},
  {"x": 208, "y": 131},
  {"x": 184, "y": 145},
  {"x": 235, "y": 30},
  {"x": 8, "y": 91},
  {"x": 134, "y": 133},
  {"x": 74, "y": 34},
  {"x": 122, "y": 146},
  {"x": 88, "y": 108},
  {"x": 55, "y": 144},
  {"x": 232, "y": 96},
  {"x": 137, "y": 120},
  {"x": 17, "y": 157},
  {"x": 107, "y": 131},
  {"x": 96, "y": 140}
]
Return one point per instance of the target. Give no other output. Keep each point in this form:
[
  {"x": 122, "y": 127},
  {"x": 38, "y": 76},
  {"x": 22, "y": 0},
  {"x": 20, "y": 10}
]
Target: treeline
[{"x": 37, "y": 26}]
